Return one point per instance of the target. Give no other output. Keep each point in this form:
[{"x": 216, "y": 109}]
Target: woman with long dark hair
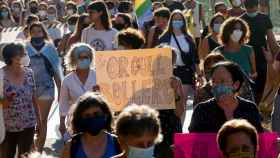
[
  {"x": 45, "y": 63},
  {"x": 177, "y": 36},
  {"x": 100, "y": 34}
]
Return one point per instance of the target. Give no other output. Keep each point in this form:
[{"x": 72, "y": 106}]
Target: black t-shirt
[
  {"x": 259, "y": 26},
  {"x": 209, "y": 117}
]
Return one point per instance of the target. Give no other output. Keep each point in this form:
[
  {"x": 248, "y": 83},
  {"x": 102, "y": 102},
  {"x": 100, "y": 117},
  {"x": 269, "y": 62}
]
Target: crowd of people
[{"x": 223, "y": 63}]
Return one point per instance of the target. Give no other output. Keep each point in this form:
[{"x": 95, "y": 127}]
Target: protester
[
  {"x": 17, "y": 12},
  {"x": 45, "y": 63},
  {"x": 236, "y": 9},
  {"x": 70, "y": 9},
  {"x": 82, "y": 78},
  {"x": 204, "y": 93},
  {"x": 138, "y": 130},
  {"x": 122, "y": 21},
  {"x": 71, "y": 25},
  {"x": 82, "y": 23},
  {"x": 32, "y": 8},
  {"x": 43, "y": 11},
  {"x": 91, "y": 121},
  {"x": 220, "y": 7},
  {"x": 53, "y": 25},
  {"x": 130, "y": 39},
  {"x": 261, "y": 33},
  {"x": 276, "y": 106},
  {"x": 238, "y": 138},
  {"x": 211, "y": 41},
  {"x": 227, "y": 78},
  {"x": 187, "y": 61},
  {"x": 234, "y": 34},
  {"x": 24, "y": 34},
  {"x": 21, "y": 114},
  {"x": 195, "y": 18},
  {"x": 101, "y": 34},
  {"x": 6, "y": 17},
  {"x": 127, "y": 7},
  {"x": 161, "y": 18}
]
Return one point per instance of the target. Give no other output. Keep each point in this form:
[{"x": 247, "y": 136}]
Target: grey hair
[{"x": 71, "y": 57}]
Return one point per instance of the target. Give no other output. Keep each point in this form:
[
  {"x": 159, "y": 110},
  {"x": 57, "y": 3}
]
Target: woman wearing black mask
[
  {"x": 91, "y": 120},
  {"x": 45, "y": 63},
  {"x": 33, "y": 7}
]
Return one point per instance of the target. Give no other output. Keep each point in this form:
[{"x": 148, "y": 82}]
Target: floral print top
[{"x": 20, "y": 114}]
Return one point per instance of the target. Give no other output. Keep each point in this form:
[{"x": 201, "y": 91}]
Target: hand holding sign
[{"x": 136, "y": 76}]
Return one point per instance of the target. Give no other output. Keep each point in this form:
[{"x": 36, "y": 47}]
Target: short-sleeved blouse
[{"x": 20, "y": 114}]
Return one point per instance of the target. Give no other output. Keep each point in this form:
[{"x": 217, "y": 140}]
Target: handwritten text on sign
[{"x": 136, "y": 76}]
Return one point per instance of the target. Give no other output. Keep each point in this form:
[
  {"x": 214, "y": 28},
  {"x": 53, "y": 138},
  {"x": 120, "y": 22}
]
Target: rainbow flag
[{"x": 143, "y": 10}]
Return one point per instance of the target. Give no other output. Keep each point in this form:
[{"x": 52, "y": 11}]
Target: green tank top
[{"x": 242, "y": 58}]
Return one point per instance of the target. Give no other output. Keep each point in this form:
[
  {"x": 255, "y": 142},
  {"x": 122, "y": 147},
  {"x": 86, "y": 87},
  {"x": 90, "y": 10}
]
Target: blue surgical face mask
[
  {"x": 93, "y": 125},
  {"x": 84, "y": 63},
  {"x": 71, "y": 28},
  {"x": 252, "y": 15},
  {"x": 177, "y": 24},
  {"x": 219, "y": 90},
  {"x": 135, "y": 152},
  {"x": 4, "y": 14}
]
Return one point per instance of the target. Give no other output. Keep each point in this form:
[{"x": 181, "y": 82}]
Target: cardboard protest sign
[
  {"x": 203, "y": 145},
  {"x": 136, "y": 76}
]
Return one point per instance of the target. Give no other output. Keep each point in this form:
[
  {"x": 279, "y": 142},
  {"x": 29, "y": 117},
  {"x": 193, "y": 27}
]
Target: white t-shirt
[
  {"x": 99, "y": 39},
  {"x": 184, "y": 46},
  {"x": 72, "y": 89}
]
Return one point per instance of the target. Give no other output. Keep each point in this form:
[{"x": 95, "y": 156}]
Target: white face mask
[
  {"x": 24, "y": 61},
  {"x": 135, "y": 152},
  {"x": 42, "y": 13},
  {"x": 70, "y": 11},
  {"x": 236, "y": 3},
  {"x": 216, "y": 27},
  {"x": 51, "y": 17},
  {"x": 236, "y": 35}
]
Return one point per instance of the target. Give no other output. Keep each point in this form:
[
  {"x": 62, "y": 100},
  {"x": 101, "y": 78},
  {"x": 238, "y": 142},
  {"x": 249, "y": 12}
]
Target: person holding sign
[
  {"x": 238, "y": 138},
  {"x": 138, "y": 130},
  {"x": 82, "y": 78},
  {"x": 209, "y": 116}
]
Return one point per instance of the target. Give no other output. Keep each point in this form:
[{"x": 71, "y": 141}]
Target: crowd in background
[{"x": 222, "y": 63}]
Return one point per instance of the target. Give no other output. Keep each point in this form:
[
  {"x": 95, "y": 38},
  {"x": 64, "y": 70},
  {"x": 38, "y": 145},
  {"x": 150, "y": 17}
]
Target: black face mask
[
  {"x": 119, "y": 26},
  {"x": 93, "y": 125},
  {"x": 37, "y": 42},
  {"x": 34, "y": 10}
]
